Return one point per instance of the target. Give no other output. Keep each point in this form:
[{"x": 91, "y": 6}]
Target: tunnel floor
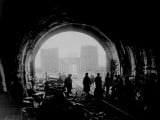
[
  {"x": 58, "y": 107},
  {"x": 53, "y": 103}
]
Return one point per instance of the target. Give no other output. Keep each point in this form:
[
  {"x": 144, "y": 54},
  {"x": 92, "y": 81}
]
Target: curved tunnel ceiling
[
  {"x": 104, "y": 41},
  {"x": 130, "y": 60},
  {"x": 23, "y": 23},
  {"x": 132, "y": 57}
]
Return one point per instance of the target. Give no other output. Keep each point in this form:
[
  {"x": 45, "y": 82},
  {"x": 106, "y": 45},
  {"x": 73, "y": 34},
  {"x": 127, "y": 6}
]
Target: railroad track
[
  {"x": 125, "y": 114},
  {"x": 102, "y": 109},
  {"x": 99, "y": 109}
]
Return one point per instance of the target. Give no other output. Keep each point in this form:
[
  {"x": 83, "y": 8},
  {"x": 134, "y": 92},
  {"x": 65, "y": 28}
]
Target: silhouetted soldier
[
  {"x": 98, "y": 93},
  {"x": 114, "y": 85},
  {"x": 68, "y": 84},
  {"x": 107, "y": 83},
  {"x": 86, "y": 84}
]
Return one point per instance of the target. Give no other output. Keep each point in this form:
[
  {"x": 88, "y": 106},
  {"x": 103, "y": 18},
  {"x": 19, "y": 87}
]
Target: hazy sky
[{"x": 70, "y": 43}]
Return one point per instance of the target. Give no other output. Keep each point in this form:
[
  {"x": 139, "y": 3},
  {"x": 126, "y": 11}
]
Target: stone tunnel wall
[{"x": 21, "y": 23}]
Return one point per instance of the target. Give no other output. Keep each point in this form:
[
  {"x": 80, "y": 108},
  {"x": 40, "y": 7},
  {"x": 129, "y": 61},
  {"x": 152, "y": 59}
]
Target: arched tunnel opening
[
  {"x": 73, "y": 53},
  {"x": 97, "y": 52},
  {"x": 132, "y": 72},
  {"x": 130, "y": 90}
]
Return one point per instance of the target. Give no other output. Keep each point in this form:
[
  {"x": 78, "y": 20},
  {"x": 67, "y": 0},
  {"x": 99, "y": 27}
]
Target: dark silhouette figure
[
  {"x": 114, "y": 86},
  {"x": 86, "y": 84},
  {"x": 107, "y": 83},
  {"x": 98, "y": 93},
  {"x": 68, "y": 84}
]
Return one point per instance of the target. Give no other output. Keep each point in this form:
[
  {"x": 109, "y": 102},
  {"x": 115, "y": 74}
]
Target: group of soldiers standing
[
  {"x": 100, "y": 88},
  {"x": 136, "y": 94},
  {"x": 98, "y": 92}
]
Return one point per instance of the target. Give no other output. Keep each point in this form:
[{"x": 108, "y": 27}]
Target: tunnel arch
[
  {"x": 127, "y": 55},
  {"x": 130, "y": 59},
  {"x": 31, "y": 48}
]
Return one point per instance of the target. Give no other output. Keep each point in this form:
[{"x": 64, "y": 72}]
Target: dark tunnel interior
[{"x": 130, "y": 30}]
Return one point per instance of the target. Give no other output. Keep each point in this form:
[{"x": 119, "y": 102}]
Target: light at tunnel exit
[
  {"x": 69, "y": 44},
  {"x": 71, "y": 52}
]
